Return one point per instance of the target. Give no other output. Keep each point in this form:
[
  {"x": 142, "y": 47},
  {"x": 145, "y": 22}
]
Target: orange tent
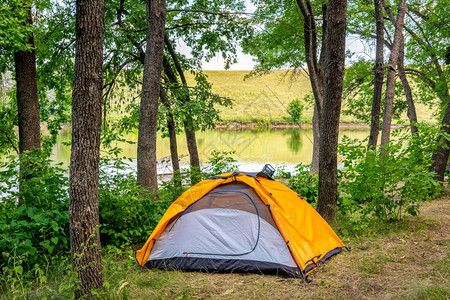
[{"x": 240, "y": 222}]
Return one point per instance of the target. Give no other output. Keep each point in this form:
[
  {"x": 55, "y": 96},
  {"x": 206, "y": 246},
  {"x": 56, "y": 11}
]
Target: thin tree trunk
[
  {"x": 411, "y": 112},
  {"x": 329, "y": 126},
  {"x": 193, "y": 153},
  {"x": 390, "y": 81},
  {"x": 379, "y": 76},
  {"x": 188, "y": 126},
  {"x": 172, "y": 139},
  {"x": 27, "y": 106},
  {"x": 316, "y": 141},
  {"x": 148, "y": 116},
  {"x": 85, "y": 155},
  {"x": 27, "y": 96},
  {"x": 315, "y": 69}
]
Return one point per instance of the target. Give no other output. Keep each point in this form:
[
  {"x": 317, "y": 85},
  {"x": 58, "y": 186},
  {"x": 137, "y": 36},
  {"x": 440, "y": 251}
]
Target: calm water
[{"x": 253, "y": 148}]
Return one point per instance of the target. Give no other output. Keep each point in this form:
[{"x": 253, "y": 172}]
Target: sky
[{"x": 246, "y": 62}]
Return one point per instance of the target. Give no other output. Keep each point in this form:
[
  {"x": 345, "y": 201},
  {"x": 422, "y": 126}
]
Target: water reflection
[
  {"x": 289, "y": 146},
  {"x": 294, "y": 140}
]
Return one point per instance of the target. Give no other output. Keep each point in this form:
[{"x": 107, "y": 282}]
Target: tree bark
[
  {"x": 390, "y": 81},
  {"x": 27, "y": 96},
  {"x": 411, "y": 112},
  {"x": 148, "y": 116},
  {"x": 171, "y": 127},
  {"x": 193, "y": 152},
  {"x": 85, "y": 155},
  {"x": 316, "y": 141},
  {"x": 329, "y": 126},
  {"x": 379, "y": 76},
  {"x": 27, "y": 106}
]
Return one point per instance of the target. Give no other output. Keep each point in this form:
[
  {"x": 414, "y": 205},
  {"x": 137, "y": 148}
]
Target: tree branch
[{"x": 9, "y": 140}]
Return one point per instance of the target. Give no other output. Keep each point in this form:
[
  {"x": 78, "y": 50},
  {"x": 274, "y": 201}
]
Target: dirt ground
[{"x": 409, "y": 260}]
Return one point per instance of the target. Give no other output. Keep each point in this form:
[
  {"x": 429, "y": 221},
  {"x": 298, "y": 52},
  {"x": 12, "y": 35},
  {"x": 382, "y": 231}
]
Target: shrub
[
  {"x": 221, "y": 162},
  {"x": 34, "y": 222},
  {"x": 127, "y": 214},
  {"x": 295, "y": 109},
  {"x": 305, "y": 184},
  {"x": 387, "y": 185}
]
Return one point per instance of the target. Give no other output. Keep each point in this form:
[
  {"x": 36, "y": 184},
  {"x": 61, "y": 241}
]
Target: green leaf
[{"x": 18, "y": 270}]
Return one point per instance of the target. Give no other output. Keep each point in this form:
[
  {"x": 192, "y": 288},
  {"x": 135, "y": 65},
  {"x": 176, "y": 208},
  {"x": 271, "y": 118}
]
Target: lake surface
[{"x": 253, "y": 148}]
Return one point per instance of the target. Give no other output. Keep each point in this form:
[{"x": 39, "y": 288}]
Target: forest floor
[{"x": 408, "y": 259}]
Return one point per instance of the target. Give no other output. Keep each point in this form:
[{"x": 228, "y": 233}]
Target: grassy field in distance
[
  {"x": 258, "y": 99},
  {"x": 265, "y": 98}
]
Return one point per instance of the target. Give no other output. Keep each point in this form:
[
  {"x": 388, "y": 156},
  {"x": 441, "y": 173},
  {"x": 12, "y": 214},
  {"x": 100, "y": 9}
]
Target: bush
[
  {"x": 127, "y": 214},
  {"x": 387, "y": 185},
  {"x": 305, "y": 184},
  {"x": 295, "y": 109},
  {"x": 34, "y": 222},
  {"x": 221, "y": 162}
]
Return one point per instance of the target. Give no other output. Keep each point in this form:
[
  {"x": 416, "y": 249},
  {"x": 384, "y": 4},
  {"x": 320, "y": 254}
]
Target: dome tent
[{"x": 240, "y": 222}]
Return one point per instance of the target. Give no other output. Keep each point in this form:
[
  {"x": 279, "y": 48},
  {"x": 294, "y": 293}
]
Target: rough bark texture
[
  {"x": 171, "y": 127},
  {"x": 27, "y": 98},
  {"x": 379, "y": 75},
  {"x": 193, "y": 153},
  {"x": 390, "y": 81},
  {"x": 329, "y": 126},
  {"x": 148, "y": 116},
  {"x": 411, "y": 112},
  {"x": 189, "y": 131},
  {"x": 27, "y": 105},
  {"x": 85, "y": 156},
  {"x": 316, "y": 141}
]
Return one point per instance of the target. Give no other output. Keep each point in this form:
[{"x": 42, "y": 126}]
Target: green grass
[
  {"x": 407, "y": 259},
  {"x": 256, "y": 99},
  {"x": 259, "y": 98}
]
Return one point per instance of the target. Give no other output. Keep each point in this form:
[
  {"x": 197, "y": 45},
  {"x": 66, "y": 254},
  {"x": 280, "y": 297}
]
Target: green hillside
[
  {"x": 266, "y": 97},
  {"x": 258, "y": 98}
]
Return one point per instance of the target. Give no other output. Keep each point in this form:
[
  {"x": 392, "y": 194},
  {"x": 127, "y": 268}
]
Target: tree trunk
[
  {"x": 171, "y": 127},
  {"x": 390, "y": 81},
  {"x": 315, "y": 69},
  {"x": 329, "y": 126},
  {"x": 379, "y": 76},
  {"x": 193, "y": 153},
  {"x": 148, "y": 116},
  {"x": 27, "y": 97},
  {"x": 27, "y": 106},
  {"x": 411, "y": 112},
  {"x": 316, "y": 141},
  {"x": 85, "y": 155},
  {"x": 188, "y": 126}
]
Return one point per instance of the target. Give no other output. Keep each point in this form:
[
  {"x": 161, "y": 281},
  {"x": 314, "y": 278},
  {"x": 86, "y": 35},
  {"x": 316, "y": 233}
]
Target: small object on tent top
[
  {"x": 240, "y": 222},
  {"x": 268, "y": 170}
]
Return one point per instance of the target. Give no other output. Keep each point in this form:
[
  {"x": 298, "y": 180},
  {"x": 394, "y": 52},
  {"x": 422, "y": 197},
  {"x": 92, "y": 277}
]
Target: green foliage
[
  {"x": 8, "y": 117},
  {"x": 34, "y": 222},
  {"x": 127, "y": 214},
  {"x": 221, "y": 162},
  {"x": 295, "y": 109},
  {"x": 358, "y": 93},
  {"x": 305, "y": 184},
  {"x": 385, "y": 183}
]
